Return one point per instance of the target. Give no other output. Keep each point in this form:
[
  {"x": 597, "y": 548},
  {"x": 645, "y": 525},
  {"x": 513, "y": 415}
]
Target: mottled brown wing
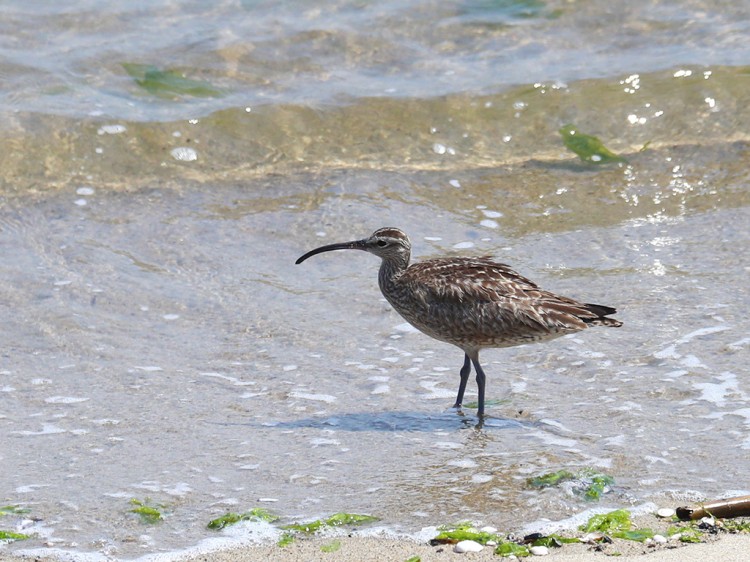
[
  {"x": 474, "y": 279},
  {"x": 501, "y": 291}
]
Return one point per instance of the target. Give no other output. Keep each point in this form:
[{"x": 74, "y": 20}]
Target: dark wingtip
[{"x": 602, "y": 312}]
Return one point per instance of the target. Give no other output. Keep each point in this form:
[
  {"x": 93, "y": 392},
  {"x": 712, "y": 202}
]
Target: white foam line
[{"x": 701, "y": 332}]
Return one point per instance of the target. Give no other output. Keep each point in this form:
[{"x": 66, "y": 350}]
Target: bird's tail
[{"x": 601, "y": 313}]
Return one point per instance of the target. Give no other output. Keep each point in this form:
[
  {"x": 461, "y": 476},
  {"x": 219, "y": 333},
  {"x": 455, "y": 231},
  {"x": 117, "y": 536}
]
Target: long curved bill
[{"x": 354, "y": 245}]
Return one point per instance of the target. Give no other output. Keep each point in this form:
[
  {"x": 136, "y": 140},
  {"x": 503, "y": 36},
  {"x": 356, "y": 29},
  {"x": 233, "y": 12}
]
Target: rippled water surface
[{"x": 160, "y": 343}]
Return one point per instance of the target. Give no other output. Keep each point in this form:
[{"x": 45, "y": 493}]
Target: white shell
[{"x": 467, "y": 546}]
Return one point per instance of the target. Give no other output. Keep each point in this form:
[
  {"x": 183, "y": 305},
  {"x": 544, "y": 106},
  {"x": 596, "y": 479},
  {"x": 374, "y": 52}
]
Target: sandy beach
[
  {"x": 728, "y": 548},
  {"x": 339, "y": 546}
]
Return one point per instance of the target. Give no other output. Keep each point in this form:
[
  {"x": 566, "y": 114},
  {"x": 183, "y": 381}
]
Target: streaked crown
[{"x": 389, "y": 243}]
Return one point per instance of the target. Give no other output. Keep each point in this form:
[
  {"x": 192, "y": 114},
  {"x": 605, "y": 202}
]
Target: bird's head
[{"x": 390, "y": 244}]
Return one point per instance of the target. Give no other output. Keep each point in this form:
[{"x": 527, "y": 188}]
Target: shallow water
[{"x": 160, "y": 342}]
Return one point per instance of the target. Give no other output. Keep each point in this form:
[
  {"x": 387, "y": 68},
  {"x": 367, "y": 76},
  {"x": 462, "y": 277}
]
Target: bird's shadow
[{"x": 396, "y": 421}]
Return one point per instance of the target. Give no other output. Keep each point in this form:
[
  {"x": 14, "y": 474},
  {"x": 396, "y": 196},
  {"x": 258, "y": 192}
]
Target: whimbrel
[{"x": 472, "y": 303}]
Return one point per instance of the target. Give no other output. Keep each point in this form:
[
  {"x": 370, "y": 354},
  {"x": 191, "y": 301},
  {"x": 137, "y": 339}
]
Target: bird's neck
[{"x": 390, "y": 270}]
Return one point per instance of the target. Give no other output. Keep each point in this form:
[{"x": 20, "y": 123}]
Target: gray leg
[
  {"x": 481, "y": 378},
  {"x": 465, "y": 372}
]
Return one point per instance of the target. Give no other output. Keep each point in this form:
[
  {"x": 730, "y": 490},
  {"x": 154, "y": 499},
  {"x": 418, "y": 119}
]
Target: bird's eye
[{"x": 382, "y": 243}]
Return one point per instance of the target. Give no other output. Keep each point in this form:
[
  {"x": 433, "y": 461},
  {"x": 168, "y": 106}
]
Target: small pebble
[
  {"x": 539, "y": 550},
  {"x": 488, "y": 529},
  {"x": 111, "y": 130},
  {"x": 660, "y": 539},
  {"x": 184, "y": 154},
  {"x": 467, "y": 546},
  {"x": 665, "y": 512}
]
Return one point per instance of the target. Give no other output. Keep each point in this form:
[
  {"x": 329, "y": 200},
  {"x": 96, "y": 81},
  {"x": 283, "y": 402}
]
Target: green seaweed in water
[
  {"x": 168, "y": 83},
  {"x": 148, "y": 513},
  {"x": 550, "y": 479},
  {"x": 588, "y": 482},
  {"x": 255, "y": 514},
  {"x": 414, "y": 559},
  {"x": 9, "y": 536},
  {"x": 349, "y": 519},
  {"x": 13, "y": 510},
  {"x": 335, "y": 520},
  {"x": 587, "y": 147},
  {"x": 594, "y": 483}
]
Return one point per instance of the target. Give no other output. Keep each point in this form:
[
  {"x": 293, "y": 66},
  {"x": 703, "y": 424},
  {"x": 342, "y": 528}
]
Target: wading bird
[{"x": 472, "y": 303}]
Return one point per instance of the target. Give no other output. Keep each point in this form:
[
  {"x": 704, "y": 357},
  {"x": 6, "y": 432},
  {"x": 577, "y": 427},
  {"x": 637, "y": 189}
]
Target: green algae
[
  {"x": 463, "y": 531},
  {"x": 311, "y": 527},
  {"x": 689, "y": 534},
  {"x": 13, "y": 510},
  {"x": 169, "y": 82},
  {"x": 607, "y": 523},
  {"x": 587, "y": 147},
  {"x": 550, "y": 479},
  {"x": 149, "y": 513},
  {"x": 553, "y": 541},
  {"x": 335, "y": 520},
  {"x": 255, "y": 514},
  {"x": 349, "y": 519},
  {"x": 512, "y": 549},
  {"x": 9, "y": 536},
  {"x": 588, "y": 482},
  {"x": 616, "y": 524}
]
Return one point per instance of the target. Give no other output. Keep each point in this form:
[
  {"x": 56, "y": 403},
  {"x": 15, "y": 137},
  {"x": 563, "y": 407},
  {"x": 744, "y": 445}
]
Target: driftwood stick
[{"x": 730, "y": 507}]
